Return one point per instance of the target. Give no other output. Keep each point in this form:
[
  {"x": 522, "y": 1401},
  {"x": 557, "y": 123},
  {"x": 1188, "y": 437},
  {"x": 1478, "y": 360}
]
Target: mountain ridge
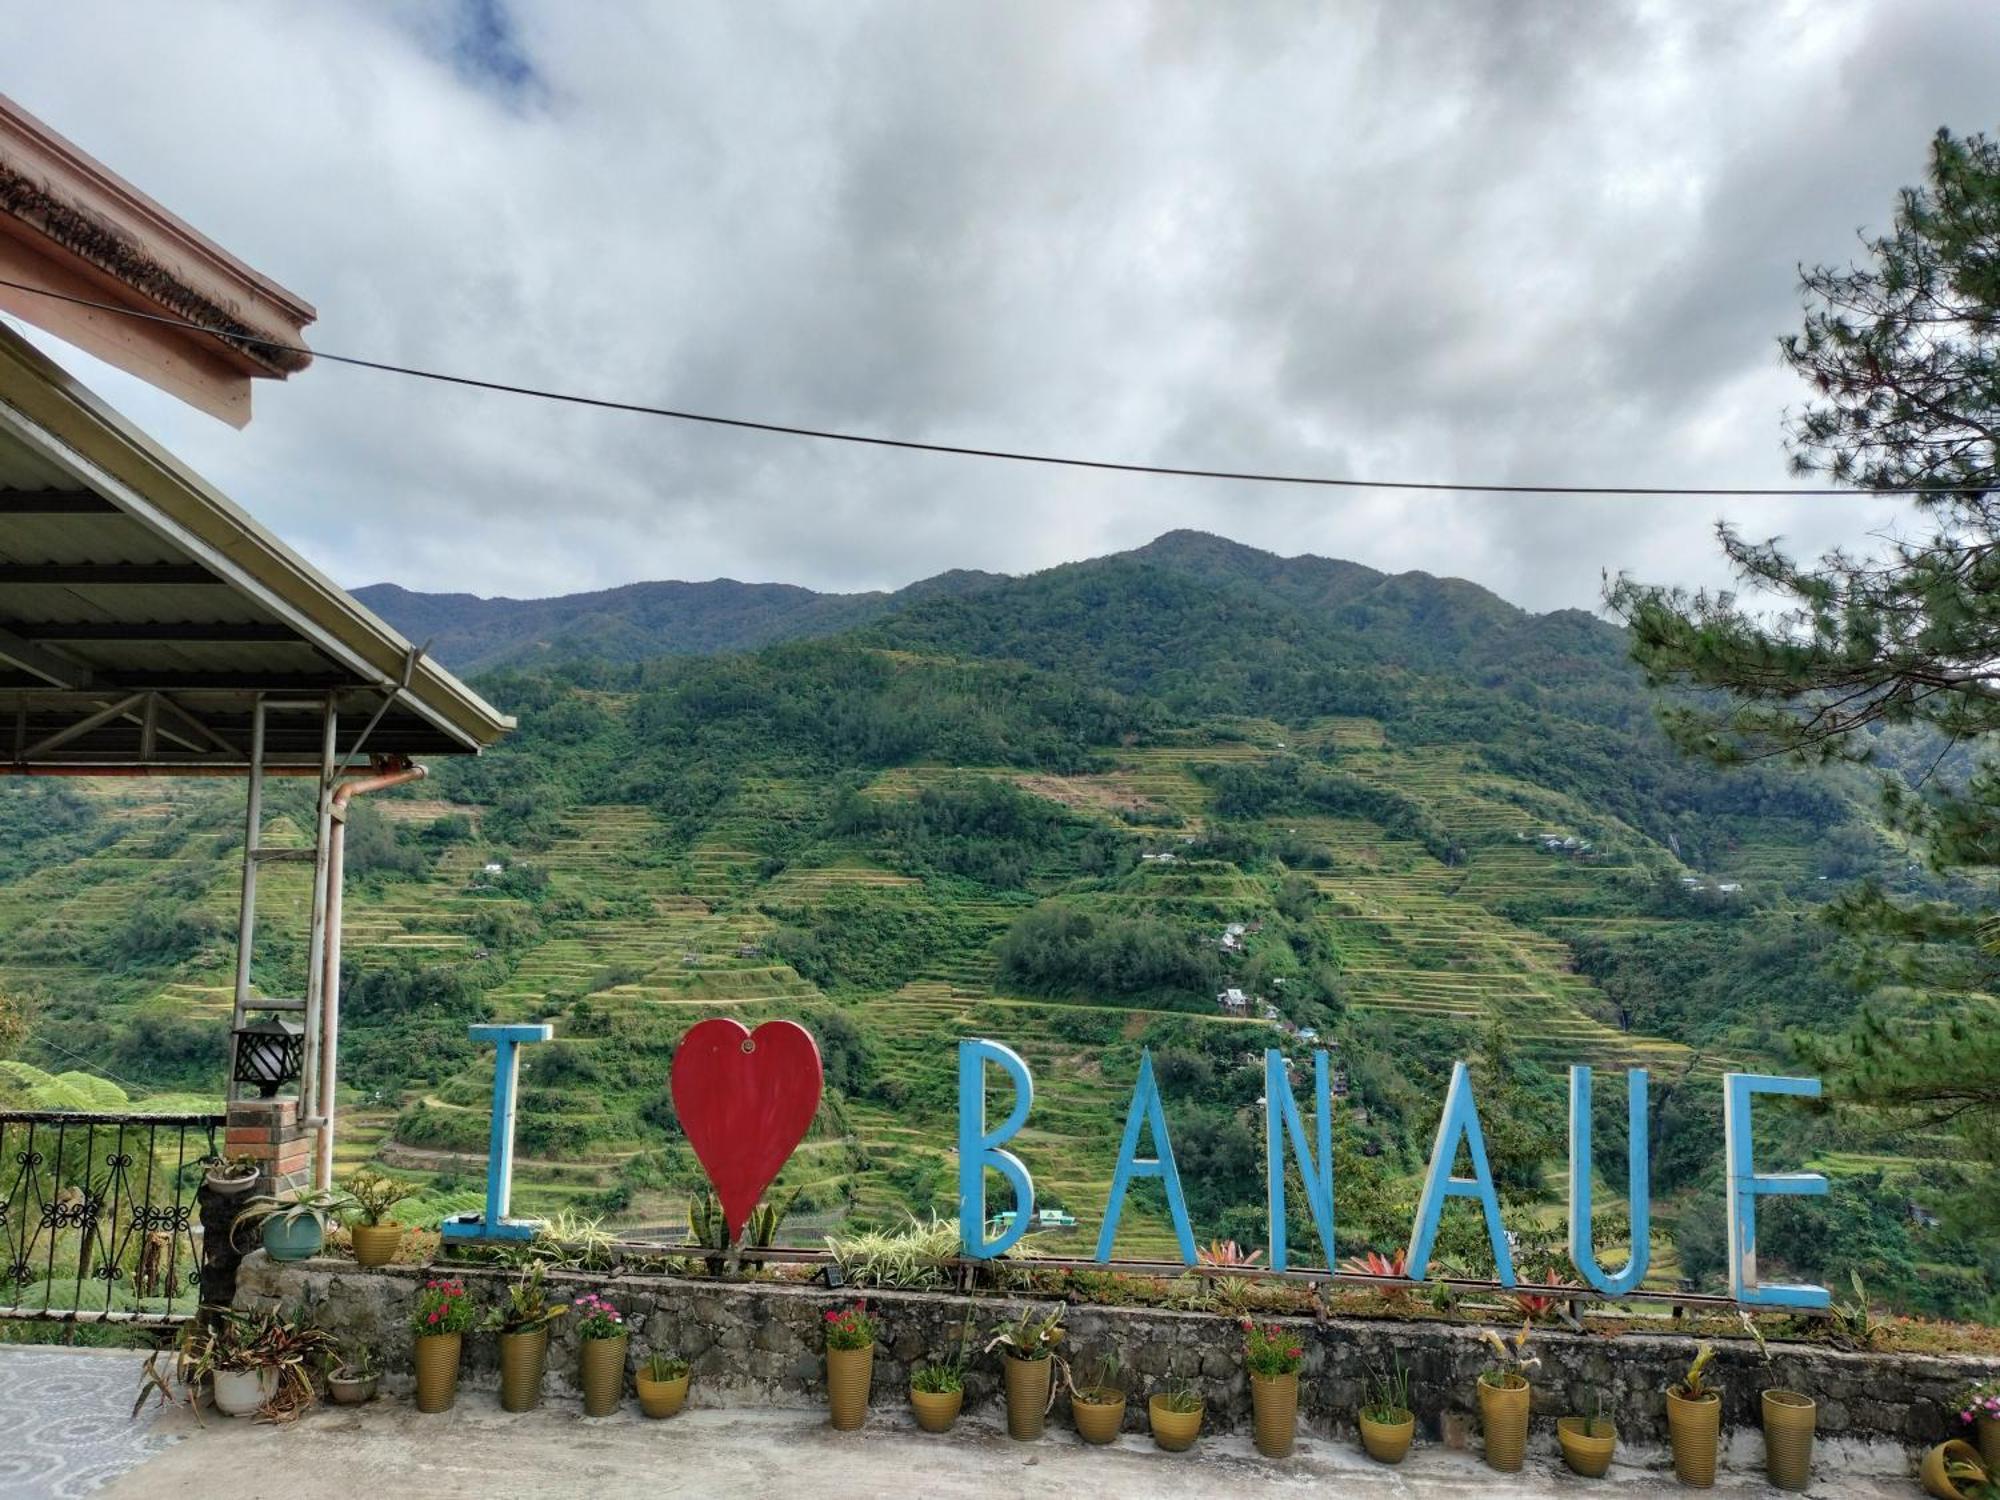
[{"x": 630, "y": 622}]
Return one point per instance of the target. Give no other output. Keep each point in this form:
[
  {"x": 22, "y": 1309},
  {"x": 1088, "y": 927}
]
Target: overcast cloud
[{"x": 1543, "y": 242}]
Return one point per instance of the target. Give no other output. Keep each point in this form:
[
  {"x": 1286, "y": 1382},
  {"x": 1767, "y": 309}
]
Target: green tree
[{"x": 1902, "y": 353}]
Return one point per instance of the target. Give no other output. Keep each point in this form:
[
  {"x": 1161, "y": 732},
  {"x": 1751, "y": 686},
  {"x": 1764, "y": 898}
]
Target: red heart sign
[{"x": 745, "y": 1099}]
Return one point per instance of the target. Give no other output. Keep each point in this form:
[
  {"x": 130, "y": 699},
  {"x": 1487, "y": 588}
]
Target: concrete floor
[{"x": 476, "y": 1450}]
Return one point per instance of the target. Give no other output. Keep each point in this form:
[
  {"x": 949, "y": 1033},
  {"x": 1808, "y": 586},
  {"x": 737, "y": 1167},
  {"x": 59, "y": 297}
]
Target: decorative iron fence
[{"x": 98, "y": 1219}]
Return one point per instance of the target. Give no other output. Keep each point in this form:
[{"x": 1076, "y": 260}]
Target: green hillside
[{"x": 1440, "y": 827}]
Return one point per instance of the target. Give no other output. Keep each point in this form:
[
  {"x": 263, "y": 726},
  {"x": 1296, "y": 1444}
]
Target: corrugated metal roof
[{"x": 122, "y": 572}]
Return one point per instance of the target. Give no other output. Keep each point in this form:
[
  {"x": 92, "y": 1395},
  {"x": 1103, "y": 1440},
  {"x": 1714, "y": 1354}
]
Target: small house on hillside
[{"x": 1233, "y": 1002}]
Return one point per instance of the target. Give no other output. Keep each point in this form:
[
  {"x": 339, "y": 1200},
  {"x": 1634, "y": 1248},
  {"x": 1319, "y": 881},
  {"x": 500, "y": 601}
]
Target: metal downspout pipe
[{"x": 329, "y": 1008}]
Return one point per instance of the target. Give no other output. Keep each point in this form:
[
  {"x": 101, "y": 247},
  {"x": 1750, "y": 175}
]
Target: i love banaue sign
[{"x": 746, "y": 1099}]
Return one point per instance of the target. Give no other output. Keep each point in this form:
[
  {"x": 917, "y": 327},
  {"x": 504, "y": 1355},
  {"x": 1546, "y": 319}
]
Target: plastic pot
[
  {"x": 603, "y": 1373},
  {"x": 936, "y": 1410},
  {"x": 1098, "y": 1415},
  {"x": 1789, "y": 1419},
  {"x": 437, "y": 1371},
  {"x": 1933, "y": 1471},
  {"x": 1692, "y": 1430},
  {"x": 523, "y": 1359},
  {"x": 1274, "y": 1408},
  {"x": 661, "y": 1398},
  {"x": 849, "y": 1373},
  {"x": 1387, "y": 1442},
  {"x": 375, "y": 1244},
  {"x": 1174, "y": 1431},
  {"x": 1503, "y": 1423},
  {"x": 1027, "y": 1395},
  {"x": 1586, "y": 1453}
]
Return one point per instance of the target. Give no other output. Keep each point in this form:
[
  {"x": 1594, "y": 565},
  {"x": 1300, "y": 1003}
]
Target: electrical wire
[{"x": 1007, "y": 455}]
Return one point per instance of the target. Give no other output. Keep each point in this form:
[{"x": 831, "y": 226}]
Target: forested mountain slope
[{"x": 1067, "y": 812}]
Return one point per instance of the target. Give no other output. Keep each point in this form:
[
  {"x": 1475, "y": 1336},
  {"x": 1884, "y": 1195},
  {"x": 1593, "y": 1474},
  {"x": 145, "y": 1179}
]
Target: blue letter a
[{"x": 1146, "y": 1111}]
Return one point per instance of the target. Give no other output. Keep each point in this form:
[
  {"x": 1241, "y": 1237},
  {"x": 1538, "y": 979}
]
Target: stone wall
[{"x": 759, "y": 1343}]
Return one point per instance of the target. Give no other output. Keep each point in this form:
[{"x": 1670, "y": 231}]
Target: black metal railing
[{"x": 98, "y": 1218}]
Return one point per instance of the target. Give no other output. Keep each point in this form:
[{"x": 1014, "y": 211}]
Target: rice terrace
[{"x": 1357, "y": 849}]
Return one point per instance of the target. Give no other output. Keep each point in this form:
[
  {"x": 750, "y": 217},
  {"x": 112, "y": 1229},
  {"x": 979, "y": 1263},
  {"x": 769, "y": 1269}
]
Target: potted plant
[
  {"x": 1028, "y": 1358},
  {"x": 600, "y": 1329},
  {"x": 371, "y": 1195},
  {"x": 522, "y": 1322},
  {"x": 1588, "y": 1442},
  {"x": 351, "y": 1377},
  {"x": 233, "y": 1176},
  {"x": 850, "y": 1364},
  {"x": 222, "y": 1350},
  {"x": 1504, "y": 1397},
  {"x": 1694, "y": 1421},
  {"x": 1981, "y": 1408},
  {"x": 1175, "y": 1416},
  {"x": 1387, "y": 1423},
  {"x": 662, "y": 1382},
  {"x": 937, "y": 1392},
  {"x": 438, "y": 1322},
  {"x": 1789, "y": 1419},
  {"x": 1274, "y": 1358},
  {"x": 1955, "y": 1471},
  {"x": 294, "y": 1228},
  {"x": 1099, "y": 1407}
]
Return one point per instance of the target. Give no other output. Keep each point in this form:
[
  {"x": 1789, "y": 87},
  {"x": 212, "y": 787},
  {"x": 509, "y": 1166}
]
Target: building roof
[
  {"x": 70, "y": 225},
  {"x": 142, "y": 613}
]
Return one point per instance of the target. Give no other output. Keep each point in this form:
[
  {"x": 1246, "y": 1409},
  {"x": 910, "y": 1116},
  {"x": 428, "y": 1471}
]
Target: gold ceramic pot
[
  {"x": 1387, "y": 1442},
  {"x": 1274, "y": 1406},
  {"x": 1692, "y": 1429},
  {"x": 661, "y": 1398},
  {"x": 1789, "y": 1419},
  {"x": 1587, "y": 1453},
  {"x": 437, "y": 1371},
  {"x": 1503, "y": 1423},
  {"x": 1934, "y": 1470},
  {"x": 936, "y": 1410},
  {"x": 523, "y": 1358},
  {"x": 1989, "y": 1442},
  {"x": 603, "y": 1372},
  {"x": 849, "y": 1372},
  {"x": 1098, "y": 1419},
  {"x": 1027, "y": 1395},
  {"x": 375, "y": 1244},
  {"x": 1175, "y": 1431}
]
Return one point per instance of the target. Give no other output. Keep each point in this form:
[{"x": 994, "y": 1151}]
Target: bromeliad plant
[
  {"x": 1694, "y": 1384},
  {"x": 850, "y": 1328},
  {"x": 1029, "y": 1337},
  {"x": 1270, "y": 1351},
  {"x": 441, "y": 1307},
  {"x": 1512, "y": 1362},
  {"x": 527, "y": 1307}
]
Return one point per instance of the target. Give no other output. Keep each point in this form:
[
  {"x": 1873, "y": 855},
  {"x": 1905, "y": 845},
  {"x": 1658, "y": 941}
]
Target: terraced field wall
[{"x": 758, "y": 1343}]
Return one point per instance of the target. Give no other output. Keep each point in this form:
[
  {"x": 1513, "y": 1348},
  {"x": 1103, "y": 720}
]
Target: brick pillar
[{"x": 269, "y": 1130}]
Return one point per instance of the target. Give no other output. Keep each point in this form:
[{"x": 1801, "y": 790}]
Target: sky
[{"x": 1552, "y": 242}]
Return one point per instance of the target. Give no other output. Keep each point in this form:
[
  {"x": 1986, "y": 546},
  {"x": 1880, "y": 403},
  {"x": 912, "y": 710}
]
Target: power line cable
[{"x": 1006, "y": 455}]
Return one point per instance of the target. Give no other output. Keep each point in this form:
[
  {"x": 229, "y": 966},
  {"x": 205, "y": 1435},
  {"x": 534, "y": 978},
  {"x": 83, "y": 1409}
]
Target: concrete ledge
[{"x": 758, "y": 1344}]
